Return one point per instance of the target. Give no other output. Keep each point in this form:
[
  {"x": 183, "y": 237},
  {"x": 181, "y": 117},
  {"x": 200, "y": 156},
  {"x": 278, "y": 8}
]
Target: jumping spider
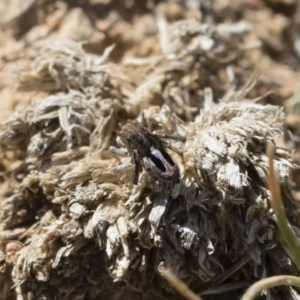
[{"x": 148, "y": 150}]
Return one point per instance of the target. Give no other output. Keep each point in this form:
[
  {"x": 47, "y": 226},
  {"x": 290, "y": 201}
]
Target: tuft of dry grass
[{"x": 87, "y": 231}]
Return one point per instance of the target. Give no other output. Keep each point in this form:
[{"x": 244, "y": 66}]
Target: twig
[{"x": 270, "y": 282}]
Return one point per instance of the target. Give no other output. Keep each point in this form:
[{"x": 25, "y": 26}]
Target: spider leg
[
  {"x": 117, "y": 151},
  {"x": 135, "y": 176},
  {"x": 173, "y": 148},
  {"x": 171, "y": 137}
]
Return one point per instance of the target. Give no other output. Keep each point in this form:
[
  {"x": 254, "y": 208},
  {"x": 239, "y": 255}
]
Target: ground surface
[{"x": 72, "y": 73}]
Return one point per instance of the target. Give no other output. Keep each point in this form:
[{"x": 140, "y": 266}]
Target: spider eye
[
  {"x": 158, "y": 162},
  {"x": 162, "y": 165}
]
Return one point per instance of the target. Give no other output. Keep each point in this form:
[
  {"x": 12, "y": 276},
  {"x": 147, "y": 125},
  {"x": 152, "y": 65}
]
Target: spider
[{"x": 148, "y": 150}]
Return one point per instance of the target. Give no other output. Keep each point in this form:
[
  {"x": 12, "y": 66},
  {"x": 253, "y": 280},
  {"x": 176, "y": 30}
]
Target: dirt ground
[{"x": 222, "y": 73}]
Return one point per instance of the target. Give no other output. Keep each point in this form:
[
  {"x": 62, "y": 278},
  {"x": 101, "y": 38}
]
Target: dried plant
[{"x": 89, "y": 232}]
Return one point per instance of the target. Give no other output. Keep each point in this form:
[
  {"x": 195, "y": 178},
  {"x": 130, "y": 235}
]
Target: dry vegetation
[{"x": 72, "y": 73}]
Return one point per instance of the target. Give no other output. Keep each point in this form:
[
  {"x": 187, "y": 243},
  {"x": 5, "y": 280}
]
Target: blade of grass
[
  {"x": 287, "y": 233},
  {"x": 181, "y": 288},
  {"x": 256, "y": 288}
]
